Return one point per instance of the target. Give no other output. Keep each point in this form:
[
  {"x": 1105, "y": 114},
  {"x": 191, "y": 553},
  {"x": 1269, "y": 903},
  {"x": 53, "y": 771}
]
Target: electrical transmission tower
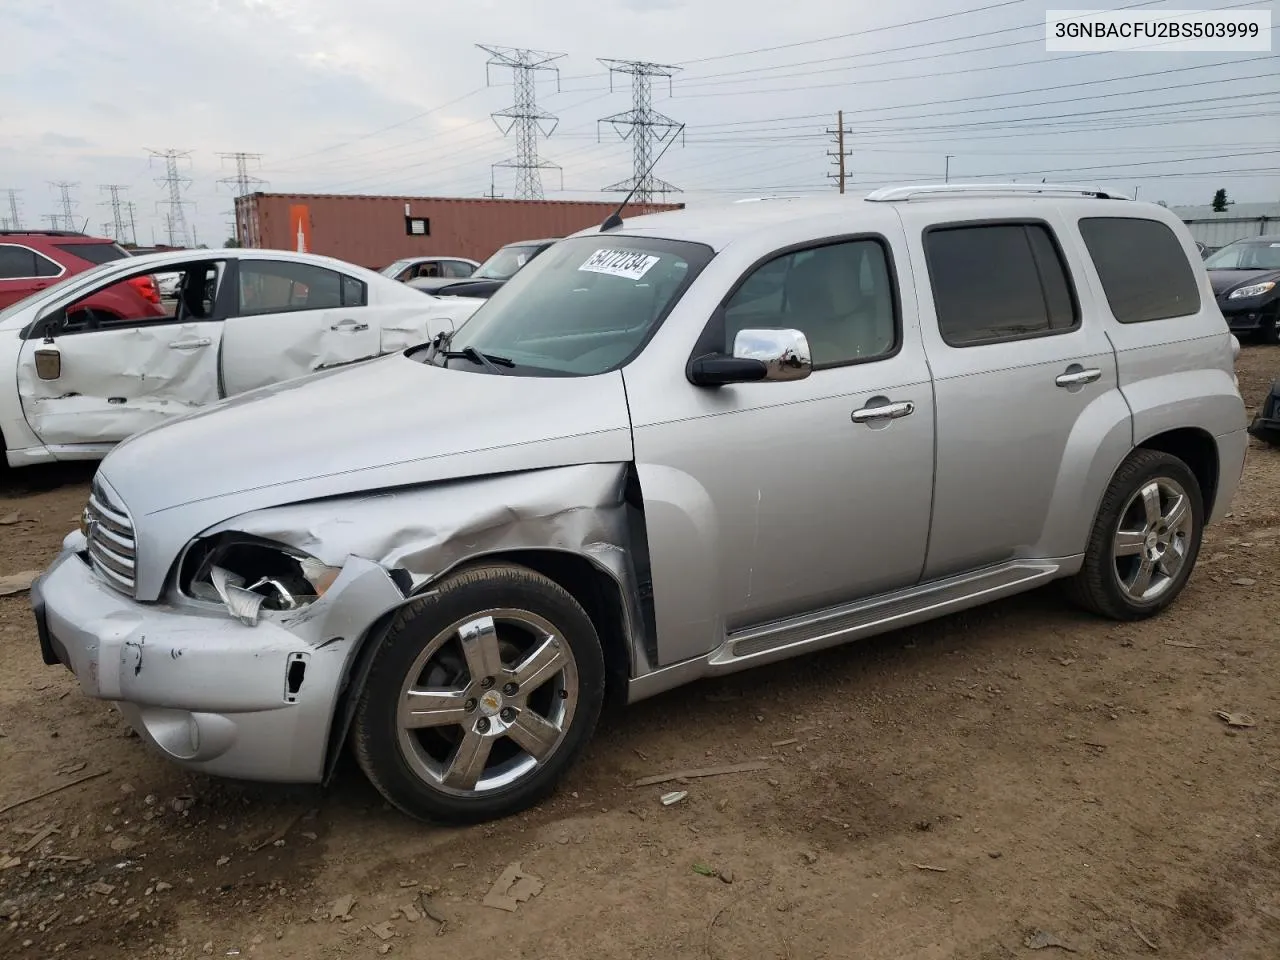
[
  {"x": 243, "y": 184},
  {"x": 66, "y": 220},
  {"x": 523, "y": 116},
  {"x": 14, "y": 220},
  {"x": 646, "y": 127},
  {"x": 840, "y": 154},
  {"x": 118, "y": 232},
  {"x": 175, "y": 183}
]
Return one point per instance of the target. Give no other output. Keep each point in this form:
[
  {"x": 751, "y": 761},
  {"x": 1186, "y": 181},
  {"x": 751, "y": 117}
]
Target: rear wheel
[
  {"x": 1145, "y": 539},
  {"x": 480, "y": 696}
]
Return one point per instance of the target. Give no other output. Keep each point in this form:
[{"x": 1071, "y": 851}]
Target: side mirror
[
  {"x": 758, "y": 355},
  {"x": 785, "y": 353}
]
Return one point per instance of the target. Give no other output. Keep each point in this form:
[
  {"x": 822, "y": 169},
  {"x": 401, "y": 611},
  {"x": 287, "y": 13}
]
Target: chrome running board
[{"x": 810, "y": 632}]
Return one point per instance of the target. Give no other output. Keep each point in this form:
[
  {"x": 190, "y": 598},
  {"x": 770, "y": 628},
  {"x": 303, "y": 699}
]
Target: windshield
[
  {"x": 1247, "y": 255},
  {"x": 503, "y": 264},
  {"x": 391, "y": 269},
  {"x": 585, "y": 306}
]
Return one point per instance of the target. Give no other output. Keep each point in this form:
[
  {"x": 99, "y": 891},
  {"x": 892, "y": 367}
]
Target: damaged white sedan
[{"x": 87, "y": 362}]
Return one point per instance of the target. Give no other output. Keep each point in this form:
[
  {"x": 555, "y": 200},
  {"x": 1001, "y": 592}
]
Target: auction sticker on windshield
[{"x": 620, "y": 263}]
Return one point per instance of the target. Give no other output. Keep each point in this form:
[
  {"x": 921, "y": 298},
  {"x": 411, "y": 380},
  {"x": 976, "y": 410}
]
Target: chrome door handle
[
  {"x": 1078, "y": 377},
  {"x": 888, "y": 411},
  {"x": 190, "y": 344},
  {"x": 354, "y": 326}
]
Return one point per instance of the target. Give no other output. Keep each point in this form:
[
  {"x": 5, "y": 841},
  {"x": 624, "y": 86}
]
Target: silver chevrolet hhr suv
[{"x": 694, "y": 443}]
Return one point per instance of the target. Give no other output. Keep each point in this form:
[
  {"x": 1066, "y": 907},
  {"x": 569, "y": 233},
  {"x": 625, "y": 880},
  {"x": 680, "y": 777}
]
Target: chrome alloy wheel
[
  {"x": 487, "y": 702},
  {"x": 1153, "y": 538}
]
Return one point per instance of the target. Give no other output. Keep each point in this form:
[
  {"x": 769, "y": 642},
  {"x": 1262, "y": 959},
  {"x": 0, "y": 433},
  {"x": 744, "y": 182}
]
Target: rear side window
[
  {"x": 1143, "y": 268},
  {"x": 354, "y": 292},
  {"x": 95, "y": 253},
  {"x": 997, "y": 282},
  {"x": 23, "y": 263}
]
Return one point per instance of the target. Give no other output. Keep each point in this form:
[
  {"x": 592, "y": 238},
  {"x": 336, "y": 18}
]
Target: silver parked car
[{"x": 702, "y": 441}]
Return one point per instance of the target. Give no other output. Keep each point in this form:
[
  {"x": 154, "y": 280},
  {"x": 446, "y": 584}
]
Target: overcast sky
[{"x": 390, "y": 96}]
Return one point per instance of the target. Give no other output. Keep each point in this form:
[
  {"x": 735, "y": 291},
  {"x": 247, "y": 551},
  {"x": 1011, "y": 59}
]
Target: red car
[{"x": 31, "y": 260}]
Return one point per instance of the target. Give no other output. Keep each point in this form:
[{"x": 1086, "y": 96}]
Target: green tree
[
  {"x": 231, "y": 242},
  {"x": 1220, "y": 201}
]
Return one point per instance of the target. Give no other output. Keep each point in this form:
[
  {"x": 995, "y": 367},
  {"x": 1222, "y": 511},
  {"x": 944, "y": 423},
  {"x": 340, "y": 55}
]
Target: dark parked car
[
  {"x": 1246, "y": 281},
  {"x": 1266, "y": 425},
  {"x": 491, "y": 275}
]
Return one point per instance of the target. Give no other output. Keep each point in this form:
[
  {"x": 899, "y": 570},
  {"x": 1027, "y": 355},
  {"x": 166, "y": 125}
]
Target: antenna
[{"x": 614, "y": 219}]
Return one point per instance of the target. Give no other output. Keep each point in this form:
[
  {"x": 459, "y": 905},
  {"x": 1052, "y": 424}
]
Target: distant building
[
  {"x": 1238, "y": 221},
  {"x": 375, "y": 231}
]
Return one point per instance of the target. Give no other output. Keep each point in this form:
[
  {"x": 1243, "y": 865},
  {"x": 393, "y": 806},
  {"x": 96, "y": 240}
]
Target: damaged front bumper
[{"x": 207, "y": 691}]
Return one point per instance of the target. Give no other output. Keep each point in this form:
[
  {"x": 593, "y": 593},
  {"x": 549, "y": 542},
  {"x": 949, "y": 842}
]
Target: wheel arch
[
  {"x": 1198, "y": 450},
  {"x": 601, "y": 595}
]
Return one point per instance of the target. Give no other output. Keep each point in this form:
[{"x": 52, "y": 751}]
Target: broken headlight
[{"x": 249, "y": 575}]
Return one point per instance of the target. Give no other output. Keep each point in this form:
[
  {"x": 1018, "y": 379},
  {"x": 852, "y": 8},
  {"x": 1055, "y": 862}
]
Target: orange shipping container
[{"x": 374, "y": 231}]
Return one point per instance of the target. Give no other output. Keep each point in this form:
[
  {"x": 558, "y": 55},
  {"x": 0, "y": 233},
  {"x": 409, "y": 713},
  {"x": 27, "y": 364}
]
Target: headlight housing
[
  {"x": 249, "y": 575},
  {"x": 1253, "y": 290}
]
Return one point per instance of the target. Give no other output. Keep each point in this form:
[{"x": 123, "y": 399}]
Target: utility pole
[
  {"x": 523, "y": 116},
  {"x": 242, "y": 184},
  {"x": 55, "y": 220},
  {"x": 14, "y": 220},
  {"x": 1135, "y": 192},
  {"x": 839, "y": 156},
  {"x": 117, "y": 210},
  {"x": 946, "y": 177},
  {"x": 176, "y": 218},
  {"x": 67, "y": 217},
  {"x": 492, "y": 194},
  {"x": 645, "y": 127}
]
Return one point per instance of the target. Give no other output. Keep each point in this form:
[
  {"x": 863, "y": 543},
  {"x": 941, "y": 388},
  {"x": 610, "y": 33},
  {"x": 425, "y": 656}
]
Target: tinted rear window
[
  {"x": 996, "y": 282},
  {"x": 1143, "y": 268},
  {"x": 94, "y": 252}
]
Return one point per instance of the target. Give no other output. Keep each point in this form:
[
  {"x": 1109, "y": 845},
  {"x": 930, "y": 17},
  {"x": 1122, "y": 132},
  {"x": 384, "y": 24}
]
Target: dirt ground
[{"x": 949, "y": 791}]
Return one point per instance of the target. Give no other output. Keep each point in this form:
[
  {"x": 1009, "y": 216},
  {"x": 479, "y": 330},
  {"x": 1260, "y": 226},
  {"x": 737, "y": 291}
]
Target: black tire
[
  {"x": 1098, "y": 587},
  {"x": 1270, "y": 329},
  {"x": 376, "y": 733}
]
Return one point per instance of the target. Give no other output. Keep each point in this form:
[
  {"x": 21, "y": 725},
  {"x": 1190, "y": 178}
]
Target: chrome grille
[{"x": 109, "y": 533}]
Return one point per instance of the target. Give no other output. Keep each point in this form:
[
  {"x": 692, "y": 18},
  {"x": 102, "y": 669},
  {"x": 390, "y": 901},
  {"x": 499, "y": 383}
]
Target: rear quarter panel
[{"x": 1180, "y": 372}]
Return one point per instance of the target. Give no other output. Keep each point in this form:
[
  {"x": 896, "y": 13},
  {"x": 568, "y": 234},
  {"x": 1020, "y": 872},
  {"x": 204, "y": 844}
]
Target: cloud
[
  {"x": 64, "y": 141},
  {"x": 392, "y": 96}
]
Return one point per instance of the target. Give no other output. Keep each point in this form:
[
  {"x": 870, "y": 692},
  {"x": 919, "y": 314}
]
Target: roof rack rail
[{"x": 886, "y": 194}]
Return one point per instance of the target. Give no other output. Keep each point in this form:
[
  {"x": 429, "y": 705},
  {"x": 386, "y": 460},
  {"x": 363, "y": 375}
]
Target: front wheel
[
  {"x": 1270, "y": 331},
  {"x": 1145, "y": 539},
  {"x": 481, "y": 695}
]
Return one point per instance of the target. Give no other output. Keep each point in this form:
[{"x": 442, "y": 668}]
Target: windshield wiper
[{"x": 489, "y": 361}]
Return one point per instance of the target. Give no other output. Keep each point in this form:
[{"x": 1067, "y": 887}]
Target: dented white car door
[
  {"x": 290, "y": 319},
  {"x": 97, "y": 377}
]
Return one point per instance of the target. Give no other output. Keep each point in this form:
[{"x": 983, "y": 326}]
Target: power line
[
  {"x": 175, "y": 218},
  {"x": 15, "y": 218},
  {"x": 855, "y": 33},
  {"x": 524, "y": 116},
  {"x": 66, "y": 219},
  {"x": 117, "y": 231},
  {"x": 646, "y": 127},
  {"x": 129, "y": 206},
  {"x": 243, "y": 184},
  {"x": 242, "y": 181}
]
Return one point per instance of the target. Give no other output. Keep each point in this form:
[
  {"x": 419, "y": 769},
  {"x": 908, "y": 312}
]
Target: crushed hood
[{"x": 387, "y": 422}]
